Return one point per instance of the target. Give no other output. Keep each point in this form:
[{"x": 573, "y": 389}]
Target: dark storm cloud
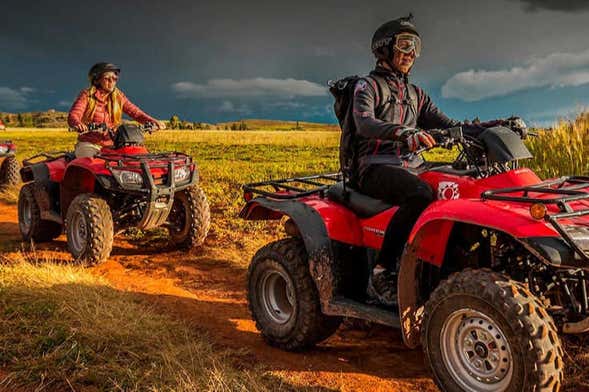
[
  {"x": 214, "y": 60},
  {"x": 556, "y": 5}
]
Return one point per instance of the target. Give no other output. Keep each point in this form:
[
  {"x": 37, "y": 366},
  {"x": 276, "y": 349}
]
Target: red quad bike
[
  {"x": 9, "y": 166},
  {"x": 123, "y": 186},
  {"x": 492, "y": 271}
]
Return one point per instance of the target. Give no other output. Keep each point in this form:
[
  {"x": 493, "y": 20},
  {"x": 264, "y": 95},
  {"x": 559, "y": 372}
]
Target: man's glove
[
  {"x": 416, "y": 138},
  {"x": 517, "y": 125}
]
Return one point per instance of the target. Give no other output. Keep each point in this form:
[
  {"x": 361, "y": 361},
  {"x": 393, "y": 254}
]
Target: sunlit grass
[
  {"x": 563, "y": 150},
  {"x": 66, "y": 329}
]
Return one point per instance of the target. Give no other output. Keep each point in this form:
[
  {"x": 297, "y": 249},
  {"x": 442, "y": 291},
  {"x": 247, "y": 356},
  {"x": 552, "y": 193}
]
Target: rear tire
[
  {"x": 283, "y": 298},
  {"x": 9, "y": 172},
  {"x": 482, "y": 331},
  {"x": 89, "y": 229},
  {"x": 190, "y": 218},
  {"x": 31, "y": 226}
]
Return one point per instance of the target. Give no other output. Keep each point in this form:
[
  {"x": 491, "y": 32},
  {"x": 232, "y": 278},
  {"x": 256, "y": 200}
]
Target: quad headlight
[
  {"x": 127, "y": 177},
  {"x": 181, "y": 174}
]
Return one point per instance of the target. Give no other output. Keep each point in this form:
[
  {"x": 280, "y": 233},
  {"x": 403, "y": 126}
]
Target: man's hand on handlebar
[{"x": 417, "y": 139}]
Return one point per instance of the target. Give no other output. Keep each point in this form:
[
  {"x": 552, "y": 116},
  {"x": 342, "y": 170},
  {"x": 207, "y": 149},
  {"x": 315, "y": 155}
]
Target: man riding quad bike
[
  {"x": 123, "y": 186},
  {"x": 9, "y": 165},
  {"x": 492, "y": 270}
]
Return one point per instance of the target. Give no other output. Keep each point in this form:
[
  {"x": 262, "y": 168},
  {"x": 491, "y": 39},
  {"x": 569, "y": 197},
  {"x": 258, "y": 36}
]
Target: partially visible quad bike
[
  {"x": 123, "y": 186},
  {"x": 492, "y": 271},
  {"x": 9, "y": 165}
]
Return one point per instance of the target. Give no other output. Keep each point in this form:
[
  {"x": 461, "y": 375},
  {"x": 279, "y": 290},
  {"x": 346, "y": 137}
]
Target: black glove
[{"x": 517, "y": 125}]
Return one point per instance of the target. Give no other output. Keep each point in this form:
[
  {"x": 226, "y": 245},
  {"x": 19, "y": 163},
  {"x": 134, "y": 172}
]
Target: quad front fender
[
  {"x": 313, "y": 233},
  {"x": 431, "y": 231},
  {"x": 76, "y": 180},
  {"x": 429, "y": 238}
]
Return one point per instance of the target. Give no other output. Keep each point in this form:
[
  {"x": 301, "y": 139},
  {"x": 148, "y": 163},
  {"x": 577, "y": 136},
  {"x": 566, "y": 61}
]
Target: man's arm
[
  {"x": 429, "y": 116},
  {"x": 367, "y": 125}
]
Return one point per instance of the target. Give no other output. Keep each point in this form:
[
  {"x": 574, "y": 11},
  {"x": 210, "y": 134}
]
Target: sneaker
[{"x": 382, "y": 288}]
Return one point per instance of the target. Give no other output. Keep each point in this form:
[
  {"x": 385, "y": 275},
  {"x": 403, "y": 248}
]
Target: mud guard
[
  {"x": 429, "y": 238},
  {"x": 77, "y": 180},
  {"x": 313, "y": 233}
]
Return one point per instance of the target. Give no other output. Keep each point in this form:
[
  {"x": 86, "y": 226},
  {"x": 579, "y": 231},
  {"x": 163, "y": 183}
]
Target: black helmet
[
  {"x": 100, "y": 68},
  {"x": 385, "y": 34}
]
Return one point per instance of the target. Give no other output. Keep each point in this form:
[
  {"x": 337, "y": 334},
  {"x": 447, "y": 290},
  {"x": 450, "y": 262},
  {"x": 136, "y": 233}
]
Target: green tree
[{"x": 175, "y": 122}]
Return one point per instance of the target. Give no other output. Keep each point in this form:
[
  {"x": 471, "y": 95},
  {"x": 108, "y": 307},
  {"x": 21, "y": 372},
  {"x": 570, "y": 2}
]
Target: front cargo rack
[
  {"x": 292, "y": 188},
  {"x": 565, "y": 191}
]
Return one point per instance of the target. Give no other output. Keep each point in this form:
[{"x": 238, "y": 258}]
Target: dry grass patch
[{"x": 63, "y": 328}]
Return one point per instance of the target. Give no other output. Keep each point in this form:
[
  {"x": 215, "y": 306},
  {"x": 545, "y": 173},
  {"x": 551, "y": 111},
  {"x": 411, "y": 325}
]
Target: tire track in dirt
[{"x": 206, "y": 290}]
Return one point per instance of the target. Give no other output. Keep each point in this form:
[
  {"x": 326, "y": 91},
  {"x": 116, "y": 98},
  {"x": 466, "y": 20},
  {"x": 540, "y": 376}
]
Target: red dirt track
[{"x": 207, "y": 291}]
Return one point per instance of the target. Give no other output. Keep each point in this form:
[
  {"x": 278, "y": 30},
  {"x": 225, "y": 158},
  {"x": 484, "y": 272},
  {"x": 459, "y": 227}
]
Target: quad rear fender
[
  {"x": 313, "y": 232},
  {"x": 76, "y": 180},
  {"x": 426, "y": 247}
]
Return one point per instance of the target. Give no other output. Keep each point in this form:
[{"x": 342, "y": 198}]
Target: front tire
[
  {"x": 31, "y": 226},
  {"x": 283, "y": 298},
  {"x": 9, "y": 172},
  {"x": 482, "y": 331},
  {"x": 190, "y": 218},
  {"x": 89, "y": 229}
]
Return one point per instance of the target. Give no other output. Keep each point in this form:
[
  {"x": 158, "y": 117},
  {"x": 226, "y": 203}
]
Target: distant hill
[
  {"x": 54, "y": 119},
  {"x": 278, "y": 125},
  {"x": 48, "y": 119}
]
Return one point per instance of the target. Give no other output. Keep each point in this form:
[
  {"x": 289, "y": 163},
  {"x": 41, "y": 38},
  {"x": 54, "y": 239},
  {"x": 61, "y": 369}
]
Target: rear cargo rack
[
  {"x": 46, "y": 157},
  {"x": 565, "y": 190},
  {"x": 293, "y": 188}
]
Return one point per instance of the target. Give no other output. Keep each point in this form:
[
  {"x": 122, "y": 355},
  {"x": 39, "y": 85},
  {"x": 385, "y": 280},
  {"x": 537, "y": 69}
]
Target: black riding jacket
[{"x": 380, "y": 125}]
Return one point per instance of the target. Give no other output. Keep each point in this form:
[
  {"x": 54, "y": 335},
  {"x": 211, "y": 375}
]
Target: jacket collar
[{"x": 381, "y": 70}]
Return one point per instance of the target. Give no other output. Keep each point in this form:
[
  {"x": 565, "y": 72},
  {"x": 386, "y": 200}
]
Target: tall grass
[
  {"x": 66, "y": 329},
  {"x": 563, "y": 150}
]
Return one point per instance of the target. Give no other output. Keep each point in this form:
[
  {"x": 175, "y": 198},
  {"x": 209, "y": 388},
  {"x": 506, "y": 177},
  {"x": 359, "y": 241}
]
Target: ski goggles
[{"x": 407, "y": 43}]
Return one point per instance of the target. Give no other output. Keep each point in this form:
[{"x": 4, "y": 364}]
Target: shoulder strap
[
  {"x": 383, "y": 91},
  {"x": 413, "y": 95}
]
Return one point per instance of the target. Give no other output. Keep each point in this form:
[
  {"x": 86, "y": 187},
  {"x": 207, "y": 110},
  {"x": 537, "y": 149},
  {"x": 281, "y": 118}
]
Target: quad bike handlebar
[{"x": 148, "y": 127}]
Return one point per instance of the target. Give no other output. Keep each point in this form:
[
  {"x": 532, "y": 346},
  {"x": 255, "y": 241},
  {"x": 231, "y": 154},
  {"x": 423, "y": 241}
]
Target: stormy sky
[{"x": 225, "y": 60}]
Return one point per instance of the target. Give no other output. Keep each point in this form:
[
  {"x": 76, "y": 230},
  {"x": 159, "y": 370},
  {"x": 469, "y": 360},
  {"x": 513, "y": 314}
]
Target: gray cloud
[
  {"x": 230, "y": 107},
  {"x": 555, "y": 70},
  {"x": 14, "y": 99},
  {"x": 555, "y": 5},
  {"x": 257, "y": 87}
]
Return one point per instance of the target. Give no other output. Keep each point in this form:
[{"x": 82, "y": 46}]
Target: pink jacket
[{"x": 101, "y": 116}]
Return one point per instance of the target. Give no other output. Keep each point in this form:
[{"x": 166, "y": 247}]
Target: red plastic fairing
[
  {"x": 341, "y": 224},
  {"x": 128, "y": 150},
  {"x": 449, "y": 187},
  {"x": 373, "y": 228},
  {"x": 56, "y": 169},
  {"x": 94, "y": 165},
  {"x": 513, "y": 219}
]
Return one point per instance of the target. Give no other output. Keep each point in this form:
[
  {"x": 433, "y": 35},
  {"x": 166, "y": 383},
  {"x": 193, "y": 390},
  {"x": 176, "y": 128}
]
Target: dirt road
[{"x": 207, "y": 291}]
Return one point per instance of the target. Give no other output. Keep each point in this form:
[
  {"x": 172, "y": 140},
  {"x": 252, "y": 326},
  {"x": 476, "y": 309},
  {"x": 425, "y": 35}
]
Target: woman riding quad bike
[
  {"x": 104, "y": 103},
  {"x": 122, "y": 186}
]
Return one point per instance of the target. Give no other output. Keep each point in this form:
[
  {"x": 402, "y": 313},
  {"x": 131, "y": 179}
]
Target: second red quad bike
[
  {"x": 123, "y": 186},
  {"x": 492, "y": 270},
  {"x": 9, "y": 165}
]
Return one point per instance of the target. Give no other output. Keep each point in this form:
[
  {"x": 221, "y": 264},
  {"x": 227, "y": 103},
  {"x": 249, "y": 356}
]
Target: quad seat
[{"x": 363, "y": 206}]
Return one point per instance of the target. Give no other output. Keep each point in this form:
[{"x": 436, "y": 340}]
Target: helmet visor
[{"x": 407, "y": 43}]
